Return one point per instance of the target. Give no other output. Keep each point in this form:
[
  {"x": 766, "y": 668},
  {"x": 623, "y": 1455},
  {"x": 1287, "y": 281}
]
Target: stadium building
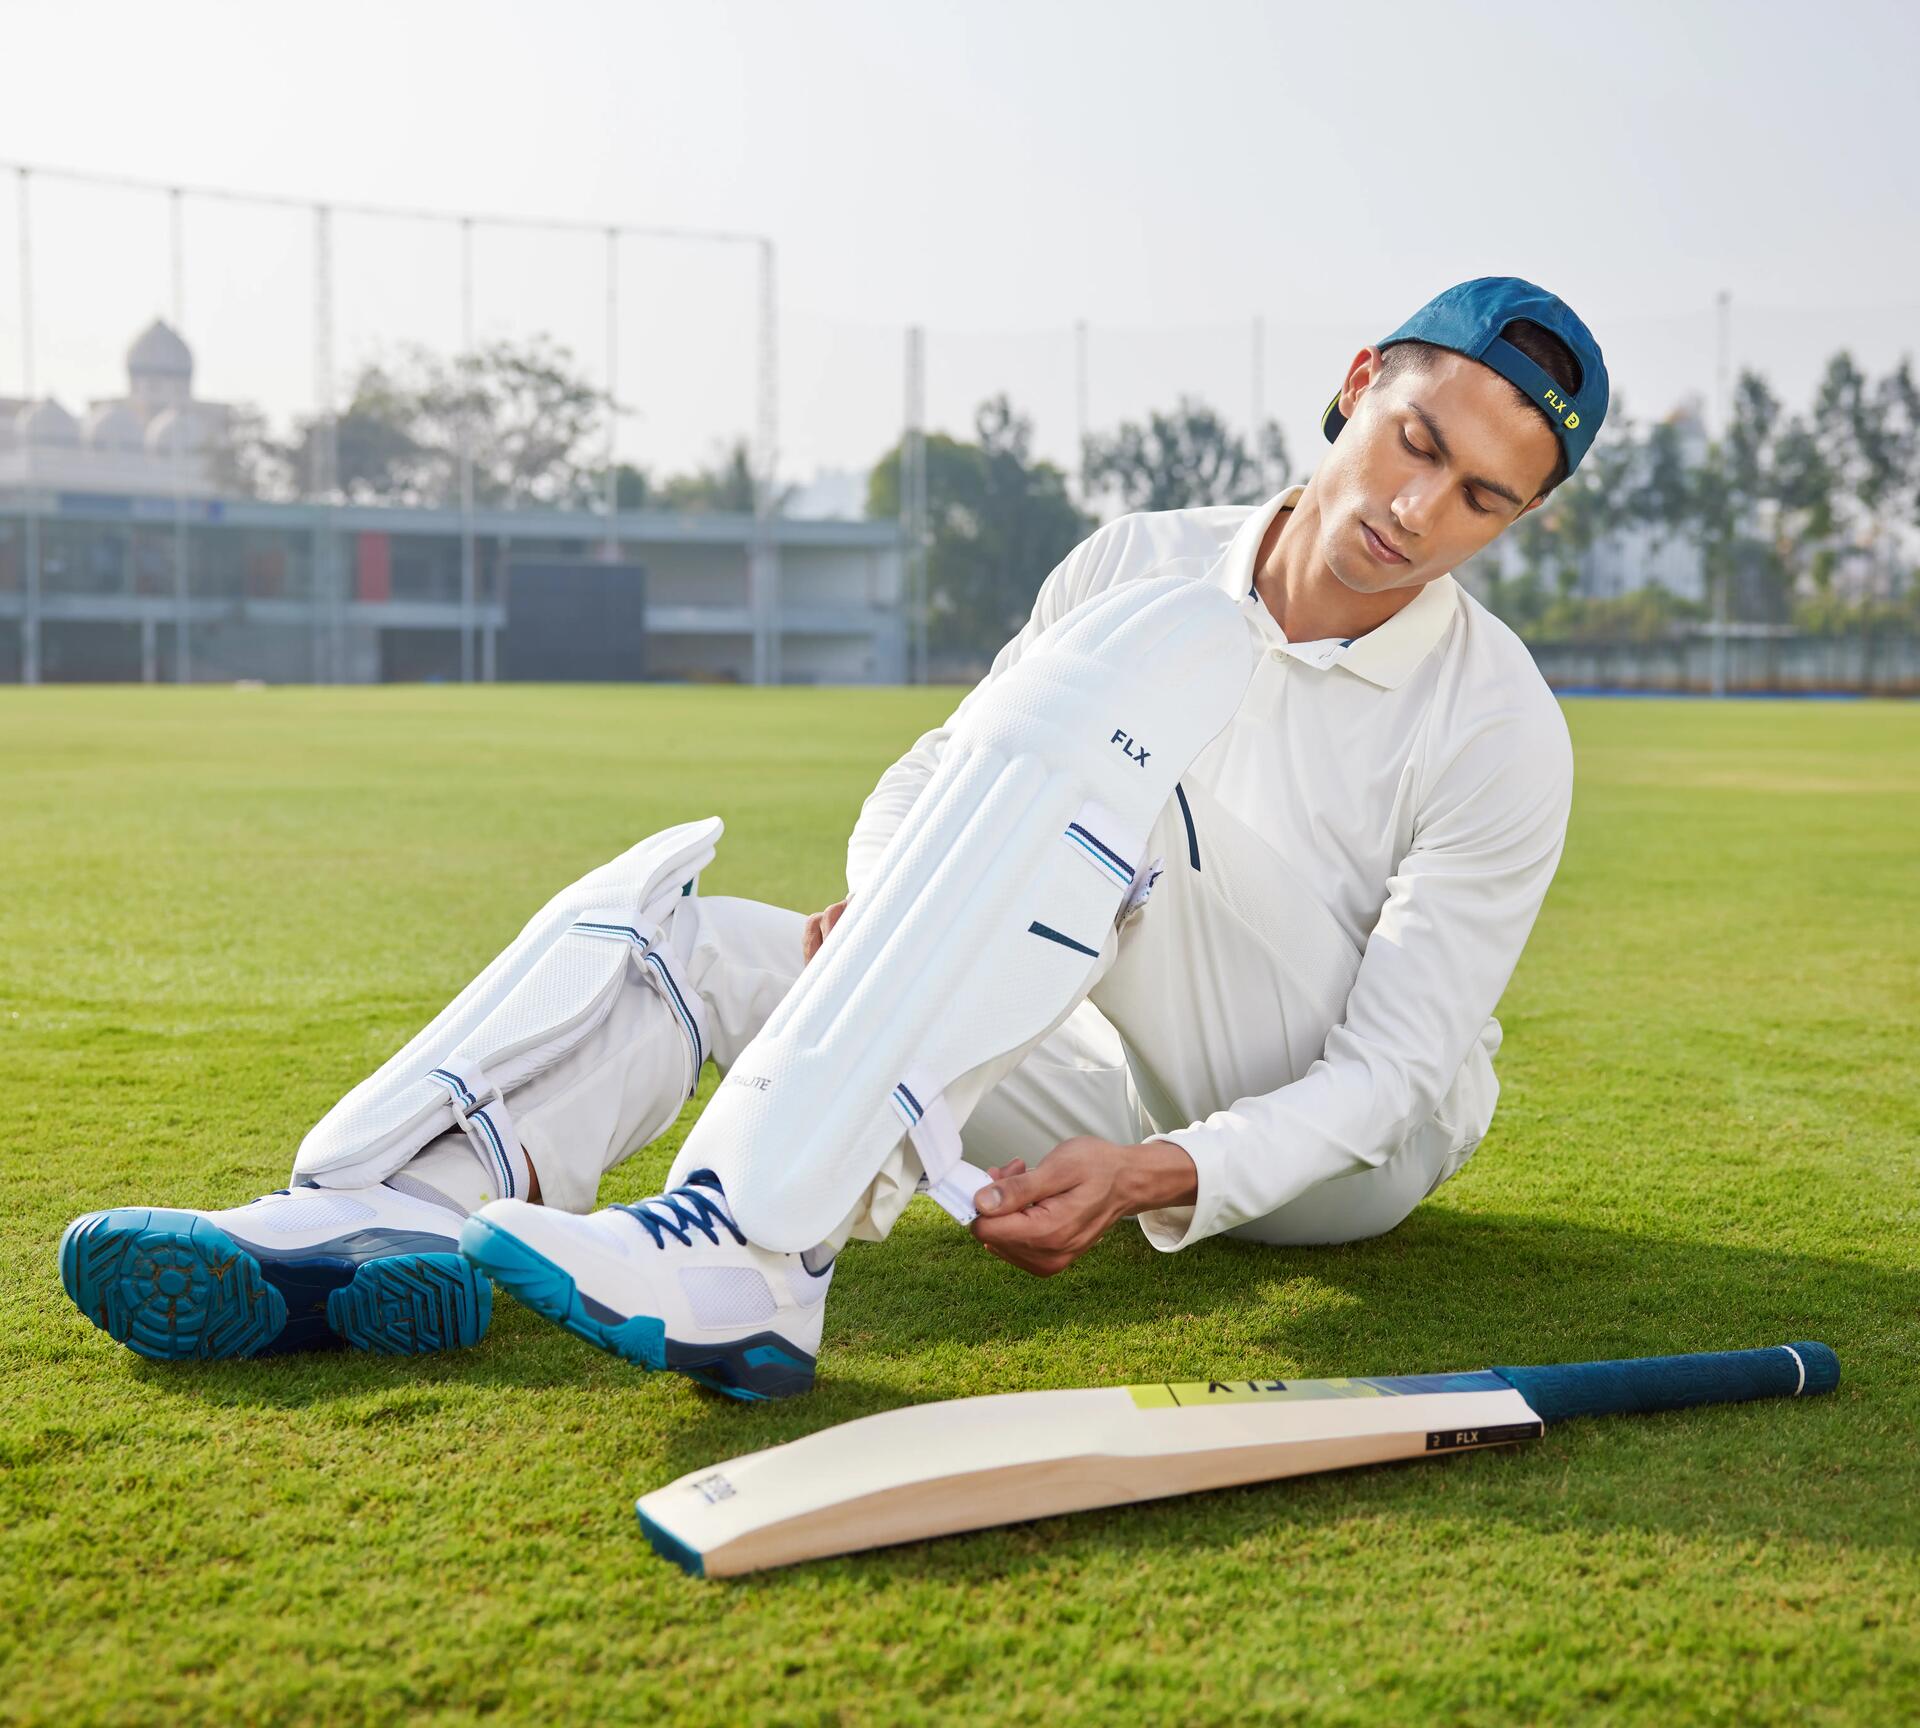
[{"x": 121, "y": 560}]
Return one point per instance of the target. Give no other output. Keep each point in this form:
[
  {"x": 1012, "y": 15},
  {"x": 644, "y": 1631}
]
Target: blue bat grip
[{"x": 1673, "y": 1382}]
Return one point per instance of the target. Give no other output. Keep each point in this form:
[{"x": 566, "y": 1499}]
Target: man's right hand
[{"x": 817, "y": 927}]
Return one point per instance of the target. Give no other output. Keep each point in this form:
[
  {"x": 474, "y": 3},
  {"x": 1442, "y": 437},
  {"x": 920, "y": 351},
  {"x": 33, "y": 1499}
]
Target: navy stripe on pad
[
  {"x": 1193, "y": 840},
  {"x": 1064, "y": 941}
]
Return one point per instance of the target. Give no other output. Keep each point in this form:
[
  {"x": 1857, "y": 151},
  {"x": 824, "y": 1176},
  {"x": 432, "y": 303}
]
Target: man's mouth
[{"x": 1384, "y": 550}]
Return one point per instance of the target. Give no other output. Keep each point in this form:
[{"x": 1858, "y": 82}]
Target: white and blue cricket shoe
[
  {"x": 306, "y": 1268},
  {"x": 668, "y": 1283}
]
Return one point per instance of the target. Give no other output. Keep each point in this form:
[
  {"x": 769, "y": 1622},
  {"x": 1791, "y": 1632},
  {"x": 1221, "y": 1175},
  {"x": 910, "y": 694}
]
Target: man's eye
[
  {"x": 1411, "y": 448},
  {"x": 1476, "y": 506}
]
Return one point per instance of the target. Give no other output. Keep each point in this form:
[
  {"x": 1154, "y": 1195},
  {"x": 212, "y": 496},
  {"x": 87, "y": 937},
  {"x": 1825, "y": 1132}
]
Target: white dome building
[
  {"x": 155, "y": 440},
  {"x": 46, "y": 425},
  {"x": 113, "y": 426},
  {"x": 159, "y": 370},
  {"x": 176, "y": 432}
]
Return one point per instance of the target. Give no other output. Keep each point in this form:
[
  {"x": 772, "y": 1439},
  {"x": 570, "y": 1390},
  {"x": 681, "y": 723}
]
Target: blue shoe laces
[{"x": 686, "y": 1208}]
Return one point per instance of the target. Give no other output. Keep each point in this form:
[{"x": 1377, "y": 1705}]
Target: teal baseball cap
[{"x": 1469, "y": 317}]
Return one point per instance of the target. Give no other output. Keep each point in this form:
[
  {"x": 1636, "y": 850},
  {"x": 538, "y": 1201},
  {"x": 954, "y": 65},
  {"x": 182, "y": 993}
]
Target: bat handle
[{"x": 1674, "y": 1382}]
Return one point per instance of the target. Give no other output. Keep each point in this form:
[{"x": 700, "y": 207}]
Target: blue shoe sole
[
  {"x": 763, "y": 1366},
  {"x": 174, "y": 1286}
]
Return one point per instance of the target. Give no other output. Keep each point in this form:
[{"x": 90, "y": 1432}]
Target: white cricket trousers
[{"x": 1223, "y": 986}]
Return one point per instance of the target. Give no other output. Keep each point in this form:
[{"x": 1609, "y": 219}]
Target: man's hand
[
  {"x": 817, "y": 927},
  {"x": 1043, "y": 1220}
]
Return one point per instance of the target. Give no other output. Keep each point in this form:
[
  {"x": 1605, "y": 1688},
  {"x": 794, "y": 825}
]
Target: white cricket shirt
[{"x": 1418, "y": 778}]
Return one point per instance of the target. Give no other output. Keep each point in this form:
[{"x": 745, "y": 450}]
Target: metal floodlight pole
[
  {"x": 30, "y": 621},
  {"x": 467, "y": 367}
]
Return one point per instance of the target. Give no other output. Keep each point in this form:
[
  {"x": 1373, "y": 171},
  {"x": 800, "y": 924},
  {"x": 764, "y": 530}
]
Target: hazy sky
[{"x": 991, "y": 171}]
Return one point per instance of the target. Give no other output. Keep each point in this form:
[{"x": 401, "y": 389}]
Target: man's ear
[
  {"x": 1535, "y": 505},
  {"x": 1362, "y": 373}
]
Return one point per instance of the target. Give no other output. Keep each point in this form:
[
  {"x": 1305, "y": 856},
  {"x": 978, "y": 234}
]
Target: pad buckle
[{"x": 463, "y": 1110}]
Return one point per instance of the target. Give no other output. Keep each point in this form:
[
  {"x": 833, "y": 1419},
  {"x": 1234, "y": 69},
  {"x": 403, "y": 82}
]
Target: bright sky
[{"x": 992, "y": 171}]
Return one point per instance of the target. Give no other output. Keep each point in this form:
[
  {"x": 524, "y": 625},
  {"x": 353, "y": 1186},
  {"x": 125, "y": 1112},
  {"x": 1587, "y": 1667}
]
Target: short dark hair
[{"x": 1538, "y": 343}]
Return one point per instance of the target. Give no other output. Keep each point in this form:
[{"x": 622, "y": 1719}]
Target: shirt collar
[{"x": 1386, "y": 655}]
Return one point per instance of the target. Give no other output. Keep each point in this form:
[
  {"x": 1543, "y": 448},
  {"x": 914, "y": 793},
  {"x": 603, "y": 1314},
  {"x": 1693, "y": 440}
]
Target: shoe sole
[
  {"x": 174, "y": 1286},
  {"x": 761, "y": 1367}
]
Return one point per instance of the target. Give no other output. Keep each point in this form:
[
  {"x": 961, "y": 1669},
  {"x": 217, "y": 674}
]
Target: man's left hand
[{"x": 1043, "y": 1220}]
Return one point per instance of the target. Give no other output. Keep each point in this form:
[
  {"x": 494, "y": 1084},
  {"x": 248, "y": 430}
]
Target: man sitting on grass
[{"x": 1290, "y": 1040}]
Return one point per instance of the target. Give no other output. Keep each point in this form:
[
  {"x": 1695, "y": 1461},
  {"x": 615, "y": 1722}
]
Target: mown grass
[{"x": 222, "y": 907}]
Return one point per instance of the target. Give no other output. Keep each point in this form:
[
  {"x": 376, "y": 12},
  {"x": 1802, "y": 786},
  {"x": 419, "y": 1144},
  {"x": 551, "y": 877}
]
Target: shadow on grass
[{"x": 931, "y": 1315}]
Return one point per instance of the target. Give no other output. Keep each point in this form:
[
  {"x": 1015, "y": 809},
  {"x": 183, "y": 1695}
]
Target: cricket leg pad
[
  {"x": 535, "y": 1008},
  {"x": 987, "y": 915}
]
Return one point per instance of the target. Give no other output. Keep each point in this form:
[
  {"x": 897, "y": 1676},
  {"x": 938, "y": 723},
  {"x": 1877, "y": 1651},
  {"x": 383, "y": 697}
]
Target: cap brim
[{"x": 1332, "y": 420}]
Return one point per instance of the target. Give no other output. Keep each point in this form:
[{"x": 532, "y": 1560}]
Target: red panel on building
[{"x": 373, "y": 578}]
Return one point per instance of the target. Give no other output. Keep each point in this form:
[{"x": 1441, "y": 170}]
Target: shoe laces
[{"x": 689, "y": 1207}]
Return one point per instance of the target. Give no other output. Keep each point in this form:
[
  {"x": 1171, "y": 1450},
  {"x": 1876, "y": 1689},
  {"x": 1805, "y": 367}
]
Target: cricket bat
[{"x": 970, "y": 1463}]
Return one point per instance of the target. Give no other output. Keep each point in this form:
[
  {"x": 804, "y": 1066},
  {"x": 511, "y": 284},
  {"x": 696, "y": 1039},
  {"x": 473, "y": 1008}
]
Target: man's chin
[{"x": 1360, "y": 578}]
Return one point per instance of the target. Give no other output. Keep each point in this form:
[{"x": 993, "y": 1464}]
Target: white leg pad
[
  {"x": 987, "y": 913},
  {"x": 537, "y": 1002}
]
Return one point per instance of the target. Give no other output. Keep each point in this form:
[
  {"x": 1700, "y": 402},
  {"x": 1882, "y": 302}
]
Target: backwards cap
[{"x": 1469, "y": 317}]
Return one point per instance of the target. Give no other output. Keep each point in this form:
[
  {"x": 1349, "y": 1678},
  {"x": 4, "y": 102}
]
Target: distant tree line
[
  {"x": 1805, "y": 519},
  {"x": 998, "y": 519},
  {"x": 534, "y": 426},
  {"x": 1809, "y": 519}
]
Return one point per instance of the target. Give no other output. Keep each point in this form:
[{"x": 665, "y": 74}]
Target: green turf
[{"x": 219, "y": 908}]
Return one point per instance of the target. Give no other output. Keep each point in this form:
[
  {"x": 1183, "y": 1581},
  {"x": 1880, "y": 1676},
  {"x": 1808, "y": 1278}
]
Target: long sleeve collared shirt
[{"x": 1417, "y": 778}]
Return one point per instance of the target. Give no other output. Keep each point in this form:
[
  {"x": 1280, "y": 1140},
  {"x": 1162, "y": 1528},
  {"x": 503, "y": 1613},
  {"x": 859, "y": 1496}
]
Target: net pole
[
  {"x": 177, "y": 232},
  {"x": 182, "y": 566},
  {"x": 467, "y": 366},
  {"x": 611, "y": 484},
  {"x": 1257, "y": 405},
  {"x": 913, "y": 503},
  {"x": 329, "y": 594},
  {"x": 765, "y": 558},
  {"x": 30, "y": 620},
  {"x": 1722, "y": 320}
]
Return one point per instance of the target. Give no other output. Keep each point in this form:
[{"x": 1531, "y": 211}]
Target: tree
[
  {"x": 1898, "y": 395},
  {"x": 727, "y": 485},
  {"x": 1186, "y": 458},
  {"x": 632, "y": 490},
  {"x": 1732, "y": 489},
  {"x": 529, "y": 416},
  {"x": 1661, "y": 493},
  {"x": 523, "y": 411},
  {"x": 998, "y": 521},
  {"x": 1553, "y": 545},
  {"x": 1804, "y": 513},
  {"x": 246, "y": 461}
]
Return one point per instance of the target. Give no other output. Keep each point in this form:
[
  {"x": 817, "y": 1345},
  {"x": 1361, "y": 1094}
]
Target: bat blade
[{"x": 971, "y": 1463}]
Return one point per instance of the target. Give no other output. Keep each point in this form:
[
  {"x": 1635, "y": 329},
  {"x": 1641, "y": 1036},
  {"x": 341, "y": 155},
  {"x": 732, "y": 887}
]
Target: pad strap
[
  {"x": 930, "y": 1125},
  {"x": 1107, "y": 842},
  {"x": 954, "y": 1192},
  {"x": 481, "y": 1112},
  {"x": 660, "y": 969}
]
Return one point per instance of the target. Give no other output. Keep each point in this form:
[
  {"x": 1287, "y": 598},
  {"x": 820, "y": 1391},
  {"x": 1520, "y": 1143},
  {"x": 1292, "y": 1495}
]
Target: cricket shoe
[
  {"x": 668, "y": 1283},
  {"x": 301, "y": 1269}
]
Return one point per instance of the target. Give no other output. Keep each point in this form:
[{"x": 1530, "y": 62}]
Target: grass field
[{"x": 220, "y": 908}]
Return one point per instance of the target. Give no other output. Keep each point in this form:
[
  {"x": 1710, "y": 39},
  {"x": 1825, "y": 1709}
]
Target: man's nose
[{"x": 1414, "y": 508}]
